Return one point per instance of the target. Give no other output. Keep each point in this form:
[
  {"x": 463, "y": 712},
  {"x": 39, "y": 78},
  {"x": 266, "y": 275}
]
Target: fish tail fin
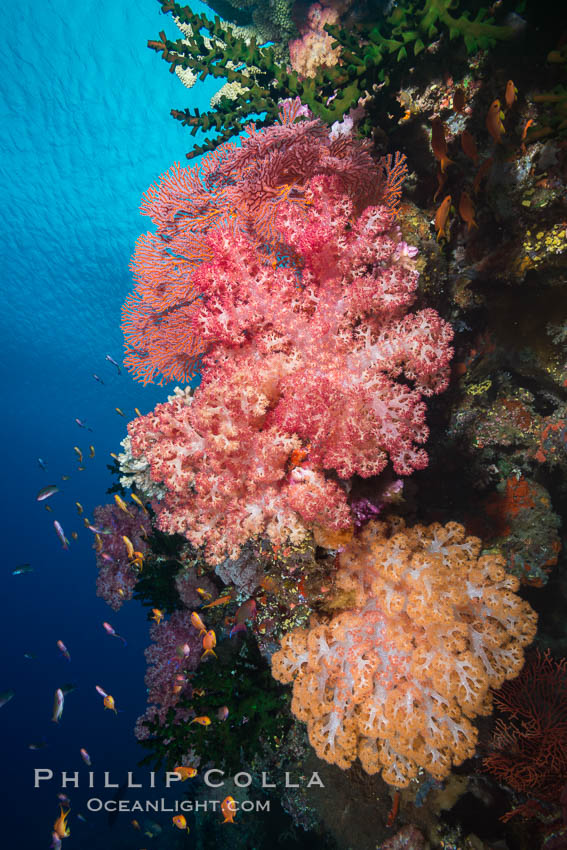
[{"x": 208, "y": 652}]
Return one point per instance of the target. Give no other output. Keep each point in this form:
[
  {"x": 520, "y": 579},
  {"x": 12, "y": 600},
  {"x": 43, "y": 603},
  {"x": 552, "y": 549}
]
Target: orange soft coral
[{"x": 397, "y": 680}]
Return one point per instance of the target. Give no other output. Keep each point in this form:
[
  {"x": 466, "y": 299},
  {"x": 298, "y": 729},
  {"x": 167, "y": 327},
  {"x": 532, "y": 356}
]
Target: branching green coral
[{"x": 366, "y": 55}]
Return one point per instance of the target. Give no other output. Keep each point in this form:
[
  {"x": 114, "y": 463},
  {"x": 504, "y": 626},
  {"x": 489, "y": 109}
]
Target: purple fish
[
  {"x": 96, "y": 377},
  {"x": 61, "y": 534},
  {"x": 82, "y": 424}
]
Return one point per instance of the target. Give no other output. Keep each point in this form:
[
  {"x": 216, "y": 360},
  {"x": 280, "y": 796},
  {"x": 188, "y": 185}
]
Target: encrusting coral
[{"x": 396, "y": 679}]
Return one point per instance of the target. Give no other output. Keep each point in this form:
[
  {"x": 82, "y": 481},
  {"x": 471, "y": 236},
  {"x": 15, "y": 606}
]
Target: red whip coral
[
  {"x": 530, "y": 746},
  {"x": 241, "y": 187},
  {"x": 397, "y": 679}
]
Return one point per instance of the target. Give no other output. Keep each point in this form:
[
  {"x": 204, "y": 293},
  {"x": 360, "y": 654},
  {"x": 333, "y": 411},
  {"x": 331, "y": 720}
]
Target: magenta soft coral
[{"x": 116, "y": 578}]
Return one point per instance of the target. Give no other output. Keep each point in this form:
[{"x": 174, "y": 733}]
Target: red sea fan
[
  {"x": 244, "y": 187},
  {"x": 529, "y": 748}
]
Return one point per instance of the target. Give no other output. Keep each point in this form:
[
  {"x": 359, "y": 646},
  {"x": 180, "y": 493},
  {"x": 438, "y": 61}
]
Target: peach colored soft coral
[
  {"x": 397, "y": 679},
  {"x": 313, "y": 49}
]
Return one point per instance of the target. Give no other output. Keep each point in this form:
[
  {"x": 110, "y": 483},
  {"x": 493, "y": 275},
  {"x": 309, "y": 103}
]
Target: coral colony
[{"x": 310, "y": 605}]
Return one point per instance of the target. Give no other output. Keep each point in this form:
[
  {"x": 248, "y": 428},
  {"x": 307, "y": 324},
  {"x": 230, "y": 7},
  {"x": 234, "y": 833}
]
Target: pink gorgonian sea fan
[{"x": 239, "y": 187}]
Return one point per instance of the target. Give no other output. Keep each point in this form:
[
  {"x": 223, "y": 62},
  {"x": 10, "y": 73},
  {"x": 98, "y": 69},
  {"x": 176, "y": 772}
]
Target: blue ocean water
[{"x": 84, "y": 115}]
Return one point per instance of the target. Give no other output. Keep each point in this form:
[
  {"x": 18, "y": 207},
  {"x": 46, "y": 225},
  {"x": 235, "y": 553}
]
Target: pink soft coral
[{"x": 312, "y": 354}]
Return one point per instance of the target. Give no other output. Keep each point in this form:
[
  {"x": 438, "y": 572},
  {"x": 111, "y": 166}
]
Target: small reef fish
[
  {"x": 114, "y": 456},
  {"x": 228, "y": 809},
  {"x": 42, "y": 463},
  {"x": 441, "y": 218},
  {"x": 60, "y": 827},
  {"x": 82, "y": 424},
  {"x": 209, "y": 643},
  {"x": 79, "y": 453},
  {"x": 185, "y": 772},
  {"x": 58, "y": 703},
  {"x": 467, "y": 211},
  {"x": 37, "y": 745},
  {"x": 135, "y": 824},
  {"x": 511, "y": 94},
  {"x": 482, "y": 173},
  {"x": 182, "y": 651},
  {"x": 6, "y": 696},
  {"x": 91, "y": 452},
  {"x": 106, "y": 557},
  {"x": 98, "y": 378},
  {"x": 46, "y": 492},
  {"x": 108, "y": 702},
  {"x": 494, "y": 123},
  {"x": 468, "y": 146},
  {"x": 180, "y": 822},
  {"x": 459, "y": 100},
  {"x": 96, "y": 530},
  {"x": 82, "y": 818},
  {"x": 247, "y": 611},
  {"x": 100, "y": 691},
  {"x": 74, "y": 535},
  {"x": 30, "y": 656},
  {"x": 63, "y": 649},
  {"x": 157, "y": 615},
  {"x": 138, "y": 502},
  {"x": 120, "y": 412},
  {"x": 137, "y": 412},
  {"x": 121, "y": 504},
  {"x": 48, "y": 508},
  {"x": 65, "y": 477},
  {"x": 204, "y": 594},
  {"x": 199, "y": 692},
  {"x": 81, "y": 468},
  {"x": 439, "y": 143},
  {"x": 80, "y": 509},
  {"x": 114, "y": 363},
  {"x": 22, "y": 570},
  {"x": 223, "y": 712},
  {"x": 202, "y": 721},
  {"x": 222, "y": 600},
  {"x": 129, "y": 546},
  {"x": 110, "y": 631},
  {"x": 198, "y": 623},
  {"x": 85, "y": 757},
  {"x": 60, "y": 534},
  {"x": 65, "y": 800},
  {"x": 180, "y": 682}
]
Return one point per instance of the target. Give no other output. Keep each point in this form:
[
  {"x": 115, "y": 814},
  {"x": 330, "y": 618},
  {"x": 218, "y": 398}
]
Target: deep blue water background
[{"x": 84, "y": 116}]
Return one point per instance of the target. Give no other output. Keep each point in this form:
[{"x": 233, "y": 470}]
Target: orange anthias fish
[
  {"x": 511, "y": 94},
  {"x": 109, "y": 703},
  {"x": 121, "y": 504},
  {"x": 198, "y": 623},
  {"x": 222, "y": 600},
  {"x": 494, "y": 123},
  {"x": 466, "y": 210},
  {"x": 202, "y": 721},
  {"x": 228, "y": 809},
  {"x": 459, "y": 100},
  {"x": 468, "y": 146},
  {"x": 180, "y": 822},
  {"x": 60, "y": 827},
  {"x": 209, "y": 643},
  {"x": 441, "y": 218},
  {"x": 439, "y": 143},
  {"x": 129, "y": 546},
  {"x": 204, "y": 594},
  {"x": 157, "y": 615},
  {"x": 186, "y": 772}
]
